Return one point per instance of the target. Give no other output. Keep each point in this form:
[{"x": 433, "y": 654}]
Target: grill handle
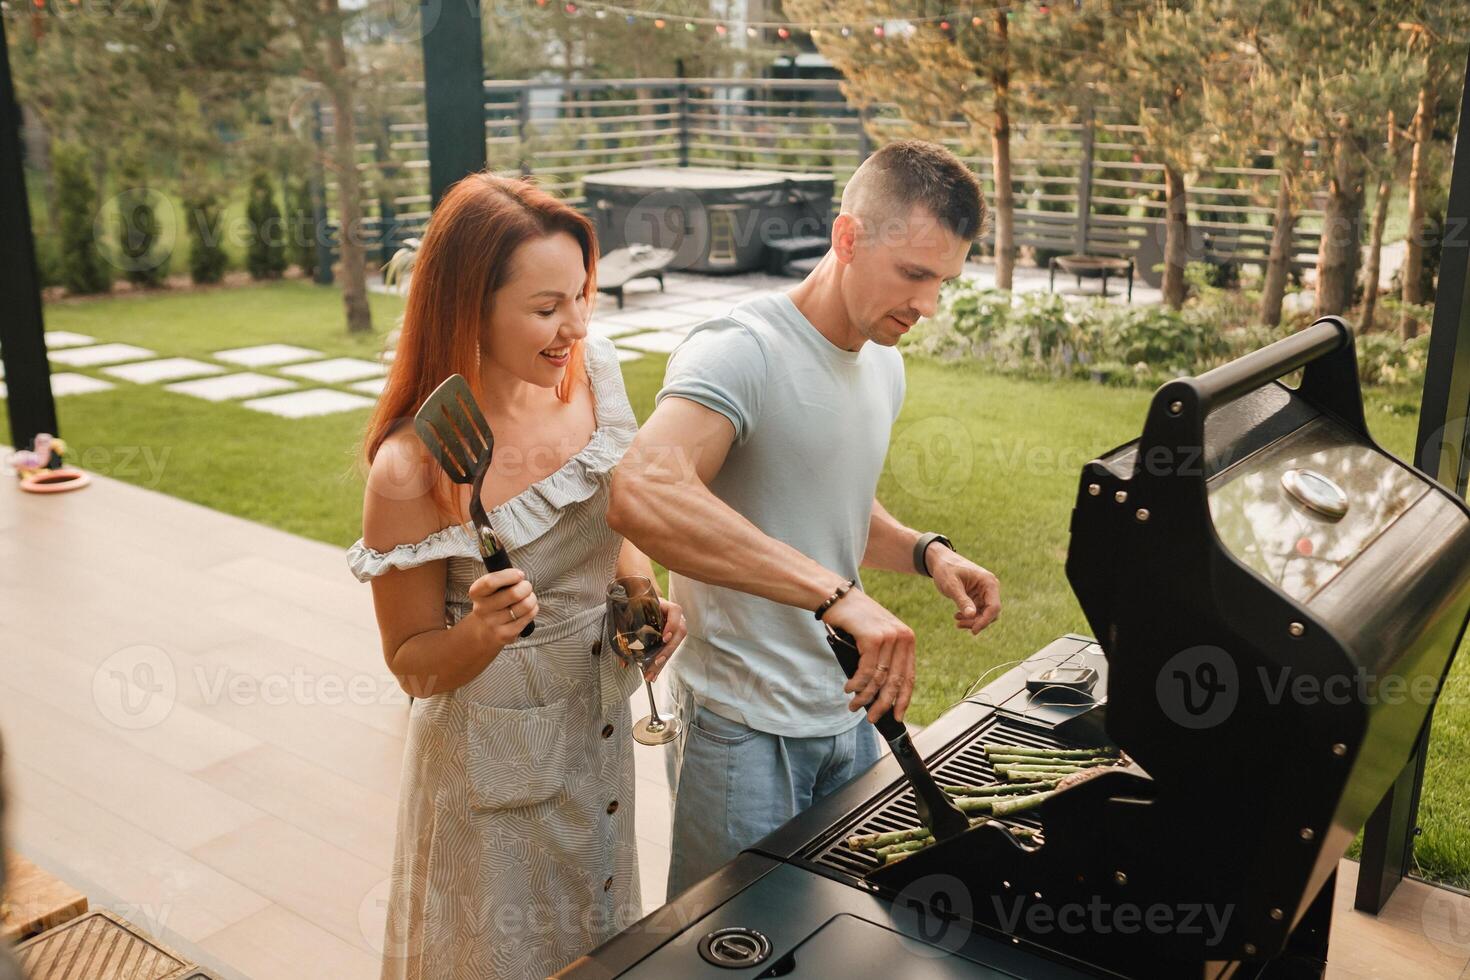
[
  {"x": 1173, "y": 438},
  {"x": 1243, "y": 375}
]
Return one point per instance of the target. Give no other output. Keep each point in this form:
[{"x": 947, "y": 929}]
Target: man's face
[{"x": 895, "y": 272}]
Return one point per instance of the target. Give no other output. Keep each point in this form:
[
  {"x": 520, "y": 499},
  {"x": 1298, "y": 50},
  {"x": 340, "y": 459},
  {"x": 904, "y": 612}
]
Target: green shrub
[
  {"x": 301, "y": 220},
  {"x": 48, "y": 260},
  {"x": 142, "y": 261},
  {"x": 266, "y": 258},
  {"x": 1044, "y": 335},
  {"x": 1386, "y": 359},
  {"x": 82, "y": 267},
  {"x": 206, "y": 237}
]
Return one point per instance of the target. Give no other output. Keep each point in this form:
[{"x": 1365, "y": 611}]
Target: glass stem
[{"x": 651, "y": 705}]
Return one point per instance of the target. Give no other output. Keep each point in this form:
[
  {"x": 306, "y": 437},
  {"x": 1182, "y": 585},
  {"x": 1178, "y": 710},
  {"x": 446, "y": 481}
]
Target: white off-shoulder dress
[{"x": 516, "y": 850}]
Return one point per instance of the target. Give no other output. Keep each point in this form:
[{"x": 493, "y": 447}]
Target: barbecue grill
[{"x": 1277, "y": 601}]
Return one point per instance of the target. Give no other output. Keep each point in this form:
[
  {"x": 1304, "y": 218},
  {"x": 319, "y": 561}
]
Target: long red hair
[{"x": 465, "y": 257}]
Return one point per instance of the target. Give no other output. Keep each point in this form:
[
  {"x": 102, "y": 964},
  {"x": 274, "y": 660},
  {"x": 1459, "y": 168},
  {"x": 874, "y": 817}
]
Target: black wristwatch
[{"x": 921, "y": 546}]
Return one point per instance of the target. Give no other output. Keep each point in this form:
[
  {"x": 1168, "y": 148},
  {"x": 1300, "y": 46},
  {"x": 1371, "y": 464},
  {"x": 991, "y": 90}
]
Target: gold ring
[
  {"x": 513, "y": 616},
  {"x": 882, "y": 668}
]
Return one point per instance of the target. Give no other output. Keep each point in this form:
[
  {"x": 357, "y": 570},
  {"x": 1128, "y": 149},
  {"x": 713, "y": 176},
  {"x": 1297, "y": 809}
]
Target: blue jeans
[{"x": 733, "y": 785}]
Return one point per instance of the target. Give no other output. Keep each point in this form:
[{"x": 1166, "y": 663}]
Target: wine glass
[{"x": 636, "y": 623}]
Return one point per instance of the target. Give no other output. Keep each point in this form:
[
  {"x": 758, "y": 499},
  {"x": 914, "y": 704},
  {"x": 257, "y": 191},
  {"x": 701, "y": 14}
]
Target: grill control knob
[{"x": 735, "y": 948}]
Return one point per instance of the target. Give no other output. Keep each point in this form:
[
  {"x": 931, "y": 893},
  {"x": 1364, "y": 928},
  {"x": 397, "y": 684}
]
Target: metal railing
[{"x": 560, "y": 131}]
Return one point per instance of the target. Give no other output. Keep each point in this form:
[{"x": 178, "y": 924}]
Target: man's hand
[
  {"x": 885, "y": 674},
  {"x": 974, "y": 591}
]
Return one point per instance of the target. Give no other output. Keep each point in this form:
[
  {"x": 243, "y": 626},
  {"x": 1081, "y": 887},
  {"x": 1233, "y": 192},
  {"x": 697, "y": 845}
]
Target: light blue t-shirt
[{"x": 812, "y": 423}]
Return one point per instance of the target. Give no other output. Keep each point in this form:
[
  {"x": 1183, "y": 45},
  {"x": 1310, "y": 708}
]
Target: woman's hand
[
  {"x": 674, "y": 633},
  {"x": 502, "y": 603}
]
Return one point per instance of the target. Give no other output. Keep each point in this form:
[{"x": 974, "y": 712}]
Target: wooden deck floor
[{"x": 202, "y": 736}]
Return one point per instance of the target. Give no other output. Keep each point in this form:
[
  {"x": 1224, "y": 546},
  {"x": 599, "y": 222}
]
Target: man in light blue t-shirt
[{"x": 754, "y": 483}]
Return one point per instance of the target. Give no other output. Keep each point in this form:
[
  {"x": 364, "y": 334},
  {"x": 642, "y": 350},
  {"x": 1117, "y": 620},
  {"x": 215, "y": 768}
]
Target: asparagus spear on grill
[
  {"x": 898, "y": 852},
  {"x": 1000, "y": 789},
  {"x": 1040, "y": 760},
  {"x": 1049, "y": 753},
  {"x": 1019, "y": 804}
]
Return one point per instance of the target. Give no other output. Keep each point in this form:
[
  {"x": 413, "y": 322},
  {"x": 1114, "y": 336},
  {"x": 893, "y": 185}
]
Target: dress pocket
[{"x": 516, "y": 756}]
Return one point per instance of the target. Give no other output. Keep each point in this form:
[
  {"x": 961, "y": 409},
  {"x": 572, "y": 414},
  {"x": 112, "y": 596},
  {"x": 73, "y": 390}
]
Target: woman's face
[{"x": 539, "y": 311}]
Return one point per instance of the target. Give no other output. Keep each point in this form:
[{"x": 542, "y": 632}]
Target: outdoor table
[{"x": 1091, "y": 267}]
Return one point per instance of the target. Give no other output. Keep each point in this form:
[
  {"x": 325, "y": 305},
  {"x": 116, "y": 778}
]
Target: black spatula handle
[
  {"x": 498, "y": 561},
  {"x": 845, "y": 648}
]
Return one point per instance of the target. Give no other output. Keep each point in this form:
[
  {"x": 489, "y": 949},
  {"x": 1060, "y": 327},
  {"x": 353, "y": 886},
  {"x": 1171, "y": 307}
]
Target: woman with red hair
[{"x": 516, "y": 849}]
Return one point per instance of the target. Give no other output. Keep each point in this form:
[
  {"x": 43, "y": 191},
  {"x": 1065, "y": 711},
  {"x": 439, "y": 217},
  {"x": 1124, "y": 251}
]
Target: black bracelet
[{"x": 842, "y": 590}]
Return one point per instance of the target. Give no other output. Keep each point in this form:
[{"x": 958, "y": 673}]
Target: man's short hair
[{"x": 906, "y": 173}]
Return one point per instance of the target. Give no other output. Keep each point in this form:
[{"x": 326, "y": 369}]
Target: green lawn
[{"x": 1003, "y": 493}]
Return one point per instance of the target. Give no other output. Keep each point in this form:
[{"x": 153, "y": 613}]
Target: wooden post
[
  {"x": 523, "y": 126},
  {"x": 387, "y": 214},
  {"x": 683, "y": 123},
  {"x": 29, "y": 403},
  {"x": 324, "y": 260}
]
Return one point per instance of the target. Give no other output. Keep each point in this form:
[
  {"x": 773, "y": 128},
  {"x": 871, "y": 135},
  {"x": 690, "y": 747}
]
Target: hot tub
[{"x": 715, "y": 220}]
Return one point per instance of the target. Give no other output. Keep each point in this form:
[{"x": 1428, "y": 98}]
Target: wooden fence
[{"x": 1081, "y": 186}]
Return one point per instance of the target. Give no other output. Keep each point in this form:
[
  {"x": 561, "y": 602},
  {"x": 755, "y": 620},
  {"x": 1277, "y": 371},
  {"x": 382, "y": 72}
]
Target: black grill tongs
[
  {"x": 936, "y": 809},
  {"x": 453, "y": 429}
]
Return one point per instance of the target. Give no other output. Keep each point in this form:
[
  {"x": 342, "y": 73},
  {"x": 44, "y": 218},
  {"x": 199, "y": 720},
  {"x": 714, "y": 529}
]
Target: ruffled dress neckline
[{"x": 532, "y": 512}]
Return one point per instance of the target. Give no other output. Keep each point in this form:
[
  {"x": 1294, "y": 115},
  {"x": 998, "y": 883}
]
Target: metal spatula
[
  {"x": 455, "y": 432},
  {"x": 937, "y": 811}
]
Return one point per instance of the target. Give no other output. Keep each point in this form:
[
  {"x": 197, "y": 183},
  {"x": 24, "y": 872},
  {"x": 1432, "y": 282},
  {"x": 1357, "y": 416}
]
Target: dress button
[
  {"x": 596, "y": 647},
  {"x": 606, "y": 885},
  {"x": 607, "y": 731},
  {"x": 612, "y": 807}
]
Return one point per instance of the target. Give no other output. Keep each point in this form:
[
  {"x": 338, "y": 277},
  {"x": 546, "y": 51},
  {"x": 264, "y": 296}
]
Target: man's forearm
[
  {"x": 890, "y": 544},
  {"x": 687, "y": 529},
  {"x": 631, "y": 561}
]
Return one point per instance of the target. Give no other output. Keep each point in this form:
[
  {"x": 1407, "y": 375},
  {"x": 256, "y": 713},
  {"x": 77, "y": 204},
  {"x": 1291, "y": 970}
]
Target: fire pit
[{"x": 1091, "y": 267}]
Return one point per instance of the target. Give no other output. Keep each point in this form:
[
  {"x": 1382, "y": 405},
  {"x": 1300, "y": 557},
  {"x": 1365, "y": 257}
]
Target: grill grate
[{"x": 894, "y": 810}]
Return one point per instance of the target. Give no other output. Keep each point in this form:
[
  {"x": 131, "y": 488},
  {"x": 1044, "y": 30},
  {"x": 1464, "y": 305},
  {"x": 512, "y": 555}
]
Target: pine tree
[
  {"x": 82, "y": 268},
  {"x": 1387, "y": 167},
  {"x": 1261, "y": 112},
  {"x": 206, "y": 238},
  {"x": 949, "y": 81},
  {"x": 144, "y": 262},
  {"x": 1162, "y": 59},
  {"x": 301, "y": 220},
  {"x": 266, "y": 256},
  {"x": 1434, "y": 35}
]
